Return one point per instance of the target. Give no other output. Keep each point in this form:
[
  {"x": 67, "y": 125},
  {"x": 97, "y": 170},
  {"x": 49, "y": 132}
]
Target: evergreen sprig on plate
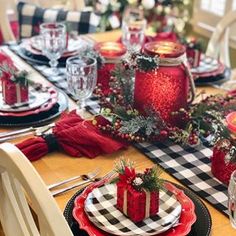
[
  {"x": 149, "y": 180},
  {"x": 19, "y": 77}
]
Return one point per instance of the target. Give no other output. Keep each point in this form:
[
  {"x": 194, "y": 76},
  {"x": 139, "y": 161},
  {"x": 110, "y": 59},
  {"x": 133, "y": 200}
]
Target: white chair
[
  {"x": 218, "y": 46},
  {"x": 20, "y": 184},
  {"x": 76, "y": 5}
]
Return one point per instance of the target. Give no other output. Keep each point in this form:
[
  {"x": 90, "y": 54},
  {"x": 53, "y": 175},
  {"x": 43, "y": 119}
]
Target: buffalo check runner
[
  {"x": 189, "y": 165},
  {"x": 100, "y": 207}
]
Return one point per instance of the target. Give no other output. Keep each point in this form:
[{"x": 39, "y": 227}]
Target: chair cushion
[{"x": 31, "y": 16}]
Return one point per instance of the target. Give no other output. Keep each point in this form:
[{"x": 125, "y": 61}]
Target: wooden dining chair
[
  {"x": 21, "y": 186},
  {"x": 218, "y": 46},
  {"x": 5, "y": 26}
]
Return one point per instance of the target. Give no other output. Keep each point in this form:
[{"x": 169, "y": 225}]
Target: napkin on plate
[{"x": 73, "y": 135}]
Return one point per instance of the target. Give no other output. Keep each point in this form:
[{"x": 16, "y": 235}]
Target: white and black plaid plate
[
  {"x": 207, "y": 65},
  {"x": 36, "y": 98},
  {"x": 100, "y": 207}
]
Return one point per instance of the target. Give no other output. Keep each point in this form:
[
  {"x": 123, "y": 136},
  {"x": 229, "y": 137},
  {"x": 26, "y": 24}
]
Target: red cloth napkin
[{"x": 75, "y": 136}]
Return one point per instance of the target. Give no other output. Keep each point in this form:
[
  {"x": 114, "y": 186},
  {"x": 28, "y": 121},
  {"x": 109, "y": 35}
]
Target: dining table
[{"x": 57, "y": 166}]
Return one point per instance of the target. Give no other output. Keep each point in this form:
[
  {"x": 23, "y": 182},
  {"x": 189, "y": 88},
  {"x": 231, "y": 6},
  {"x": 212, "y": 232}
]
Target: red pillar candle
[
  {"x": 112, "y": 53},
  {"x": 166, "y": 88}
]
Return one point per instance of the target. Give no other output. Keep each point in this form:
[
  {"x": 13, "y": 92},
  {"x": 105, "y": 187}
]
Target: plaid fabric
[
  {"x": 100, "y": 207},
  {"x": 31, "y": 16},
  {"x": 191, "y": 166}
]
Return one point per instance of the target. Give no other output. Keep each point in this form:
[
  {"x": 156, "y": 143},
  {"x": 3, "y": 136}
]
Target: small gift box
[
  {"x": 15, "y": 87},
  {"x": 138, "y": 194},
  {"x": 221, "y": 163},
  {"x": 193, "y": 50},
  {"x": 193, "y": 56},
  {"x": 14, "y": 92},
  {"x": 137, "y": 205}
]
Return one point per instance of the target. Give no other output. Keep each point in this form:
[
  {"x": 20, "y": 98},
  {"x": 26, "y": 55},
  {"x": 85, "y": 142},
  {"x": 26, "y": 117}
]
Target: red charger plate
[{"x": 187, "y": 218}]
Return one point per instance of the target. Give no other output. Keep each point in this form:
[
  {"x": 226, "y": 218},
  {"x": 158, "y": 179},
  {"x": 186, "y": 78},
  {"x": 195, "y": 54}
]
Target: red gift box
[
  {"x": 137, "y": 205},
  {"x": 14, "y": 92},
  {"x": 193, "y": 56},
  {"x": 220, "y": 168}
]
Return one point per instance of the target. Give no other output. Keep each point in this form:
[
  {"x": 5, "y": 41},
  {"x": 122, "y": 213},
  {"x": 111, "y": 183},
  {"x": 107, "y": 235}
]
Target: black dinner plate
[
  {"x": 202, "y": 226},
  {"x": 40, "y": 118},
  {"x": 218, "y": 79},
  {"x": 37, "y": 59}
]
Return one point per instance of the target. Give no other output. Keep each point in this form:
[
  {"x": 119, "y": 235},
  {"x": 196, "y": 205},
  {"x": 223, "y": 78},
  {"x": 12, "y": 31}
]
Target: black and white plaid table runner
[{"x": 189, "y": 165}]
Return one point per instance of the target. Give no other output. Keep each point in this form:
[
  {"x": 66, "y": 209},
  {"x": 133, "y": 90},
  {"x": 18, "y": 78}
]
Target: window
[
  {"x": 213, "y": 7},
  {"x": 234, "y": 5},
  {"x": 207, "y": 13}
]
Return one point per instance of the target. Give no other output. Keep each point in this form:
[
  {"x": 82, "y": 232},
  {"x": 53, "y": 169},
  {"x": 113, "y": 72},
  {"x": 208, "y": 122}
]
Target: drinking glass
[
  {"x": 133, "y": 28},
  {"x": 53, "y": 38},
  {"x": 81, "y": 77},
  {"x": 232, "y": 199}
]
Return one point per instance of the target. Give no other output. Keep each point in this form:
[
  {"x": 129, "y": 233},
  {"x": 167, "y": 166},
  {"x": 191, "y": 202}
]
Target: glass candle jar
[
  {"x": 166, "y": 88},
  {"x": 112, "y": 53},
  {"x": 220, "y": 168}
]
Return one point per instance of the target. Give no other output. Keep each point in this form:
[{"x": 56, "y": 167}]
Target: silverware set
[
  {"x": 88, "y": 178},
  {"x": 38, "y": 131}
]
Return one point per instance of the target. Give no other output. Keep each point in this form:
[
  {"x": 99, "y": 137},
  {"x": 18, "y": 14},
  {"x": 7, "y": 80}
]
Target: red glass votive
[
  {"x": 165, "y": 89},
  {"x": 221, "y": 169},
  {"x": 231, "y": 121},
  {"x": 112, "y": 53}
]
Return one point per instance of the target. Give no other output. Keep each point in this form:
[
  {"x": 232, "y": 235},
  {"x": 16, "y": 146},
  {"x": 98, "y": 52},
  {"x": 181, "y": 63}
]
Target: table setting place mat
[
  {"x": 194, "y": 219},
  {"x": 189, "y": 165},
  {"x": 100, "y": 207}
]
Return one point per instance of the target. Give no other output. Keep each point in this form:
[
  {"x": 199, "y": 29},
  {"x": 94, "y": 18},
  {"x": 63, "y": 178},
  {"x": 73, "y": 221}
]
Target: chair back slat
[
  {"x": 218, "y": 46},
  {"x": 21, "y": 186}
]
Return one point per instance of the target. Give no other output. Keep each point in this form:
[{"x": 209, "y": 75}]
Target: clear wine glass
[
  {"x": 133, "y": 28},
  {"x": 53, "y": 39},
  {"x": 232, "y": 199},
  {"x": 81, "y": 77}
]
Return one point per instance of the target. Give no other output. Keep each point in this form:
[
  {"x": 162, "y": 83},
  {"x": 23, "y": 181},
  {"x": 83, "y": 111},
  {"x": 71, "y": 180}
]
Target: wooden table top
[{"x": 58, "y": 166}]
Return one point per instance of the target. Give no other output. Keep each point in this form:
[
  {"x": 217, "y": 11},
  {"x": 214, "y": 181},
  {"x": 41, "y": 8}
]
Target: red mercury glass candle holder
[
  {"x": 112, "y": 53},
  {"x": 231, "y": 121},
  {"x": 220, "y": 168},
  {"x": 165, "y": 89}
]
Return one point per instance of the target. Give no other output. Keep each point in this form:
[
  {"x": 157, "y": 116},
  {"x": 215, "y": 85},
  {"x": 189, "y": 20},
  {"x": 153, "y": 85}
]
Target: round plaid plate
[
  {"x": 49, "y": 96},
  {"x": 100, "y": 207},
  {"x": 37, "y": 97},
  {"x": 208, "y": 67}
]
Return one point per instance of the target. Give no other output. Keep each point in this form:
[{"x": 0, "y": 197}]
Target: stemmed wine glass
[
  {"x": 133, "y": 28},
  {"x": 53, "y": 39},
  {"x": 81, "y": 77}
]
